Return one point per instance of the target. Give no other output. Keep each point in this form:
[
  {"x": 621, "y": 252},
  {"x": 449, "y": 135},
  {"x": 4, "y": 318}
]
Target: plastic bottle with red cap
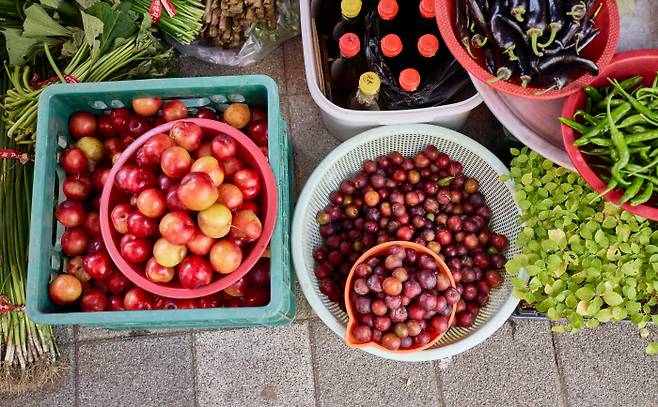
[
  {"x": 393, "y": 53},
  {"x": 351, "y": 19},
  {"x": 409, "y": 80},
  {"x": 427, "y": 56},
  {"x": 347, "y": 68},
  {"x": 389, "y": 20},
  {"x": 426, "y": 18}
]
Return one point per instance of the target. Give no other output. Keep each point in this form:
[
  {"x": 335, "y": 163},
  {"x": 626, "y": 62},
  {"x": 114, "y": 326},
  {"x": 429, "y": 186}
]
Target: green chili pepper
[
  {"x": 588, "y": 117},
  {"x": 644, "y": 196},
  {"x": 637, "y": 129},
  {"x": 632, "y": 190},
  {"x": 649, "y": 166},
  {"x": 652, "y": 179},
  {"x": 580, "y": 128},
  {"x": 598, "y": 141},
  {"x": 642, "y": 109},
  {"x": 593, "y": 93},
  {"x": 619, "y": 142},
  {"x": 632, "y": 120},
  {"x": 642, "y": 137},
  {"x": 612, "y": 184},
  {"x": 617, "y": 114},
  {"x": 588, "y": 105},
  {"x": 613, "y": 102},
  {"x": 655, "y": 81}
]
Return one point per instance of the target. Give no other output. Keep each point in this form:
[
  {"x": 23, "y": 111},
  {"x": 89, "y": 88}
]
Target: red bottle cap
[
  {"x": 428, "y": 45},
  {"x": 349, "y": 45},
  {"x": 391, "y": 45},
  {"x": 387, "y": 9},
  {"x": 427, "y": 8},
  {"x": 409, "y": 79}
]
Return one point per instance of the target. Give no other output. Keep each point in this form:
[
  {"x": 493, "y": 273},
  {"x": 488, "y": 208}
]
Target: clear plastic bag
[{"x": 260, "y": 40}]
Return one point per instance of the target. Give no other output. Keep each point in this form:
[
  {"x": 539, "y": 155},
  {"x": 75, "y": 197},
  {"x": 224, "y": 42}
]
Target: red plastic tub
[
  {"x": 601, "y": 51},
  {"x": 251, "y": 155},
  {"x": 642, "y": 62}
]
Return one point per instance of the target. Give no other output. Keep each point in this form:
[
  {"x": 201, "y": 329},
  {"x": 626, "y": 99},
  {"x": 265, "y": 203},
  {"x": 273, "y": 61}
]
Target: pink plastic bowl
[
  {"x": 642, "y": 62},
  {"x": 600, "y": 51},
  {"x": 251, "y": 155}
]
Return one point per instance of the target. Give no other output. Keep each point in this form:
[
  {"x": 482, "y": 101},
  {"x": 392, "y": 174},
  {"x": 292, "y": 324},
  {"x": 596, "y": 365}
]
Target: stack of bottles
[{"x": 409, "y": 46}]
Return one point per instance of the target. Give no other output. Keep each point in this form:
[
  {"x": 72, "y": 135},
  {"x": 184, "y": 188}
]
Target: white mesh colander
[{"x": 345, "y": 161}]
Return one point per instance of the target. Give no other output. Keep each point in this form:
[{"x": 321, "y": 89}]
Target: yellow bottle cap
[
  {"x": 369, "y": 83},
  {"x": 350, "y": 8}
]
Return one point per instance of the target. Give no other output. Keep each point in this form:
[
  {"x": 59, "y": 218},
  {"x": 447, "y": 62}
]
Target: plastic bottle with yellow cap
[
  {"x": 351, "y": 20},
  {"x": 367, "y": 95}
]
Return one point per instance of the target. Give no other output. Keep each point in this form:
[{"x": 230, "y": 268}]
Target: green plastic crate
[{"x": 57, "y": 103}]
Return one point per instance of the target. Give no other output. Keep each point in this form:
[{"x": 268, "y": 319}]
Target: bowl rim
[
  {"x": 268, "y": 188},
  {"x": 377, "y": 250},
  {"x": 303, "y": 275},
  {"x": 444, "y": 21},
  {"x": 575, "y": 101}
]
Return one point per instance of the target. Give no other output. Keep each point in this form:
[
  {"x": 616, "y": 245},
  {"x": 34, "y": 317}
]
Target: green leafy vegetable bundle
[
  {"x": 587, "y": 260},
  {"x": 110, "y": 42}
]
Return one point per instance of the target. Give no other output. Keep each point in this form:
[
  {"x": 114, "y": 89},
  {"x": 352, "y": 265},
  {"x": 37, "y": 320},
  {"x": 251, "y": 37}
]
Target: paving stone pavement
[{"x": 306, "y": 364}]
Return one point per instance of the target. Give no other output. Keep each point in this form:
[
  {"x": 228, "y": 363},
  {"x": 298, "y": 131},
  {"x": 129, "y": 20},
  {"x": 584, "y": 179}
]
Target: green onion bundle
[
  {"x": 29, "y": 356},
  {"x": 185, "y": 26}
]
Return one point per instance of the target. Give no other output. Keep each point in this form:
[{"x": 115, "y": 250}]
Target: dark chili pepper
[
  {"x": 558, "y": 79},
  {"x": 489, "y": 60},
  {"x": 512, "y": 25},
  {"x": 585, "y": 41},
  {"x": 555, "y": 20},
  {"x": 584, "y": 22},
  {"x": 617, "y": 114},
  {"x": 535, "y": 23},
  {"x": 523, "y": 66},
  {"x": 567, "y": 34},
  {"x": 593, "y": 93},
  {"x": 461, "y": 25},
  {"x": 478, "y": 16},
  {"x": 503, "y": 37},
  {"x": 484, "y": 6},
  {"x": 478, "y": 40},
  {"x": 578, "y": 11},
  {"x": 631, "y": 190},
  {"x": 567, "y": 59},
  {"x": 644, "y": 196},
  {"x": 503, "y": 73},
  {"x": 518, "y": 9}
]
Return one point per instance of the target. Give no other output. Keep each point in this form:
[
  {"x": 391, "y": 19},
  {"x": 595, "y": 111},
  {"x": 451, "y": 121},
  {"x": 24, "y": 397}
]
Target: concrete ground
[{"x": 305, "y": 364}]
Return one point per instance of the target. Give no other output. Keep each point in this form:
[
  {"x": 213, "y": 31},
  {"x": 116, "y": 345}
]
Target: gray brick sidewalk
[{"x": 306, "y": 364}]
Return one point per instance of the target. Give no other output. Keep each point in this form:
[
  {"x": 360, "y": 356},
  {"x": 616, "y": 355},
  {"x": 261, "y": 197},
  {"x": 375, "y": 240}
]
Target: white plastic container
[{"x": 346, "y": 123}]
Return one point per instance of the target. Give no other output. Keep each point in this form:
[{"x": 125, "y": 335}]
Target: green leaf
[
  {"x": 604, "y": 315},
  {"x": 619, "y": 313},
  {"x": 612, "y": 298},
  {"x": 585, "y": 293},
  {"x": 117, "y": 24},
  {"x": 93, "y": 29},
  {"x": 21, "y": 49},
  {"x": 39, "y": 24}
]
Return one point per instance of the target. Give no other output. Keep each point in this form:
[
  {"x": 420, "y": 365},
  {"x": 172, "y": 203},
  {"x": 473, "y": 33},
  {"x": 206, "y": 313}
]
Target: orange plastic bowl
[
  {"x": 600, "y": 51},
  {"x": 351, "y": 313},
  {"x": 251, "y": 155},
  {"x": 643, "y": 62}
]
